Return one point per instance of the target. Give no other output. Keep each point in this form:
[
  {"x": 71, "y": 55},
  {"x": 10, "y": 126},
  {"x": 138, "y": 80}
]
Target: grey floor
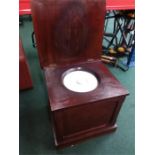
[{"x": 36, "y": 136}]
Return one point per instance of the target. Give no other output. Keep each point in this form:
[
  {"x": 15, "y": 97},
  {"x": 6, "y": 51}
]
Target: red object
[
  {"x": 69, "y": 38},
  {"x": 25, "y": 7},
  {"x": 25, "y": 81},
  {"x": 120, "y": 4}
]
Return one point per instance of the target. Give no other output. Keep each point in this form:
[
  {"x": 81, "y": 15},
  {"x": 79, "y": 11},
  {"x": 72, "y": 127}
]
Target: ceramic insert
[{"x": 80, "y": 81}]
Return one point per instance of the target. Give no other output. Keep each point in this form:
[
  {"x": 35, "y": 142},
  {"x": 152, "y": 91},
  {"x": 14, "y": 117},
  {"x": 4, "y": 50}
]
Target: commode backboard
[{"x": 68, "y": 31}]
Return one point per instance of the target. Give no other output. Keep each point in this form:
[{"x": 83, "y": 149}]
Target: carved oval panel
[{"x": 71, "y": 30}]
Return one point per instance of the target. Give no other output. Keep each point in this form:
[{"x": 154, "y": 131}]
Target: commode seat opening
[{"x": 79, "y": 80}]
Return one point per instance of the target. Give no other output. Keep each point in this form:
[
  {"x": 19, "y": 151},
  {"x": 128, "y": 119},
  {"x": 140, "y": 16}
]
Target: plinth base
[{"x": 75, "y": 139}]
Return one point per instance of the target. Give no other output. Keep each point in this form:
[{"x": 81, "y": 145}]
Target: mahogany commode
[{"x": 69, "y": 38}]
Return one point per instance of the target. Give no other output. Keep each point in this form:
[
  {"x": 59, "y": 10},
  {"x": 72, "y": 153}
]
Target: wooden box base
[
  {"x": 79, "y": 116},
  {"x": 84, "y": 136}
]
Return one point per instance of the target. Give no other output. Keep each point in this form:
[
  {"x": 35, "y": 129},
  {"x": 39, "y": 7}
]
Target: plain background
[{"x": 145, "y": 77}]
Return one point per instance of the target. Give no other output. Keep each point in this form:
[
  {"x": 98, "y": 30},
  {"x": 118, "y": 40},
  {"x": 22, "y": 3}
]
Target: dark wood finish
[
  {"x": 68, "y": 31},
  {"x": 69, "y": 37},
  {"x": 108, "y": 86},
  {"x": 77, "y": 116},
  {"x": 25, "y": 80}
]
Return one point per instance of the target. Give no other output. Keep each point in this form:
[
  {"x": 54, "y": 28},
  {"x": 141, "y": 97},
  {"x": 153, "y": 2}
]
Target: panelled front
[{"x": 72, "y": 121}]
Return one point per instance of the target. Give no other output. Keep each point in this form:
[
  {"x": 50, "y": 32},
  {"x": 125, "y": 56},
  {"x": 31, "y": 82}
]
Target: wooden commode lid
[{"x": 68, "y": 31}]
